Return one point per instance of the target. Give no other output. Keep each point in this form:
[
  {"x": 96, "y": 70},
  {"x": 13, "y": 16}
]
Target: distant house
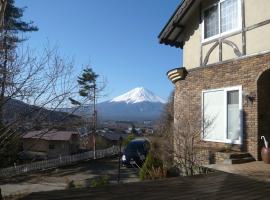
[
  {"x": 112, "y": 136},
  {"x": 50, "y": 144},
  {"x": 226, "y": 70},
  {"x": 104, "y": 139}
]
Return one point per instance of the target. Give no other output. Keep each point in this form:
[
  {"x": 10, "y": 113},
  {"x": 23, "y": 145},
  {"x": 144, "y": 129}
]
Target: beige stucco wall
[
  {"x": 191, "y": 50},
  {"x": 227, "y": 51},
  {"x": 256, "y": 11},
  {"x": 257, "y": 40},
  {"x": 214, "y": 56}
]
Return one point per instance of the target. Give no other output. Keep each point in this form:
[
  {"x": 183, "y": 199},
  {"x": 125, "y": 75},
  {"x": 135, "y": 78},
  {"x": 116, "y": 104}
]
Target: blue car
[{"x": 135, "y": 153}]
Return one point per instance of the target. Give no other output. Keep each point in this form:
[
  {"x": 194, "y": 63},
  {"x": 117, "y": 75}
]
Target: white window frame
[
  {"x": 225, "y": 133},
  {"x": 238, "y": 28}
]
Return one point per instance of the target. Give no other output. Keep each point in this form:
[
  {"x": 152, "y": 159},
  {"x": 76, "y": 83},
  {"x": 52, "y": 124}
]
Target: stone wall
[{"x": 243, "y": 71}]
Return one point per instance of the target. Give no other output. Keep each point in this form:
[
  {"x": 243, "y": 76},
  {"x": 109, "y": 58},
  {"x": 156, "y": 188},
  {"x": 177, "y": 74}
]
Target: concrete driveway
[{"x": 58, "y": 179}]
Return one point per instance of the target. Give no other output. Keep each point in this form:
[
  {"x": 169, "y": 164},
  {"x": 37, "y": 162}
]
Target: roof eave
[{"x": 173, "y": 23}]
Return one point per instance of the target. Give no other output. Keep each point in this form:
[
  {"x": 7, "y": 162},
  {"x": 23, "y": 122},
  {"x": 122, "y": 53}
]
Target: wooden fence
[{"x": 61, "y": 161}]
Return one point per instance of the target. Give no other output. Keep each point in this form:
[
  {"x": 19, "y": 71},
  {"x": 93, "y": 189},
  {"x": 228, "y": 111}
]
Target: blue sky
[{"x": 117, "y": 37}]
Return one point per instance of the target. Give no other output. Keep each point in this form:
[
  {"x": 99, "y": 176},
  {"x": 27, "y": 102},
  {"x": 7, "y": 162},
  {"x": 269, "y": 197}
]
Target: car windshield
[{"x": 135, "y": 146}]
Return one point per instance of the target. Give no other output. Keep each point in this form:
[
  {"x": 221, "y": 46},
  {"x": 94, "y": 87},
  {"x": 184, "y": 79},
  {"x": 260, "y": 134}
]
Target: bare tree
[
  {"x": 165, "y": 131},
  {"x": 3, "y": 4},
  {"x": 189, "y": 128},
  {"x": 44, "y": 82},
  {"x": 181, "y": 135}
]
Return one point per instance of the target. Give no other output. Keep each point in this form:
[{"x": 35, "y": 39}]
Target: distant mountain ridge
[
  {"x": 135, "y": 105},
  {"x": 15, "y": 109}
]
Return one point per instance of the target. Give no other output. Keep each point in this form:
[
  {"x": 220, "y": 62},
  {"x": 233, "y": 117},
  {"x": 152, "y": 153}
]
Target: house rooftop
[
  {"x": 171, "y": 34},
  {"x": 50, "y": 135},
  {"x": 112, "y": 135}
]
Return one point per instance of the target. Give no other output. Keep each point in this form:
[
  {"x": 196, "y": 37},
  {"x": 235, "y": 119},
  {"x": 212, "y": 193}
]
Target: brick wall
[{"x": 245, "y": 72}]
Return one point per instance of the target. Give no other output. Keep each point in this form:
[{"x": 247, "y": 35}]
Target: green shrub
[
  {"x": 152, "y": 168},
  {"x": 100, "y": 181}
]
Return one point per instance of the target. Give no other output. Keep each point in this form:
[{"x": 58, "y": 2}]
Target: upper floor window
[{"x": 221, "y": 18}]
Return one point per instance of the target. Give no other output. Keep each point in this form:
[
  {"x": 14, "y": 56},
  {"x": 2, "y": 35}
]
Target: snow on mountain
[
  {"x": 138, "y": 104},
  {"x": 138, "y": 95}
]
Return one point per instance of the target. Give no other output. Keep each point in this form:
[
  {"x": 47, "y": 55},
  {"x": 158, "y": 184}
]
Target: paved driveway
[{"x": 57, "y": 179}]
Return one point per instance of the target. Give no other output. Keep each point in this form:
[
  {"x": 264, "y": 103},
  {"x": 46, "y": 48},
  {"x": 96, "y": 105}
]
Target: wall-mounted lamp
[{"x": 250, "y": 98}]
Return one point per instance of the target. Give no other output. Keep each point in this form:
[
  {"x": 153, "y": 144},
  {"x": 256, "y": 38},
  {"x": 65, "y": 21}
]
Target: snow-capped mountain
[
  {"x": 136, "y": 105},
  {"x": 138, "y": 95}
]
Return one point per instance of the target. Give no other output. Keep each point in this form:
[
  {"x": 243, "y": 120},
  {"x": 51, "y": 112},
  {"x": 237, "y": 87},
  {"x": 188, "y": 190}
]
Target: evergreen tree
[
  {"x": 88, "y": 89},
  {"x": 12, "y": 26},
  {"x": 133, "y": 130},
  {"x": 87, "y": 83}
]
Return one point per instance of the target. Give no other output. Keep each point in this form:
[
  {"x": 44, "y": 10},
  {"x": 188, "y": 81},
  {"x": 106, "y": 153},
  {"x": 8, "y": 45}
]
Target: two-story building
[{"x": 226, "y": 70}]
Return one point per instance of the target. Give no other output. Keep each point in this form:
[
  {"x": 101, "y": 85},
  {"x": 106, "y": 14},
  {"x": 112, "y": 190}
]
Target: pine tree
[
  {"x": 87, "y": 83},
  {"x": 12, "y": 26},
  {"x": 88, "y": 89}
]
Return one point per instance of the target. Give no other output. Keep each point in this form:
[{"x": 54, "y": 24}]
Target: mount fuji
[
  {"x": 135, "y": 105},
  {"x": 138, "y": 95}
]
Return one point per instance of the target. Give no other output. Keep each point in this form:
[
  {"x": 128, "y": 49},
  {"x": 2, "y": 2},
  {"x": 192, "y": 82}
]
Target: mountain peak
[{"x": 138, "y": 95}]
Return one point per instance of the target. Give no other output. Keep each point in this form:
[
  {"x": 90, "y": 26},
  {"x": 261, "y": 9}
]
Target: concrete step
[
  {"x": 238, "y": 160},
  {"x": 239, "y": 155}
]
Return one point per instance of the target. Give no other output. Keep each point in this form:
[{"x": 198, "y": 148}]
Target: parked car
[{"x": 135, "y": 153}]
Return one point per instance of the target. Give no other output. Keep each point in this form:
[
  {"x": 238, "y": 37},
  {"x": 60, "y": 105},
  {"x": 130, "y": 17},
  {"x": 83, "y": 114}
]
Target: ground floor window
[
  {"x": 51, "y": 146},
  {"x": 222, "y": 115}
]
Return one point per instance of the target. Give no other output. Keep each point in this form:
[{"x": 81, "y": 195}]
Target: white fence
[{"x": 61, "y": 161}]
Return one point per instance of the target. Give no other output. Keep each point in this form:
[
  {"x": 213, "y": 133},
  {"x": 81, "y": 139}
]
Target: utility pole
[
  {"x": 88, "y": 89},
  {"x": 119, "y": 159}
]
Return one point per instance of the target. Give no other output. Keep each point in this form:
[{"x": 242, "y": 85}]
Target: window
[
  {"x": 222, "y": 115},
  {"x": 51, "y": 146},
  {"x": 211, "y": 22},
  {"x": 221, "y": 18},
  {"x": 233, "y": 119}
]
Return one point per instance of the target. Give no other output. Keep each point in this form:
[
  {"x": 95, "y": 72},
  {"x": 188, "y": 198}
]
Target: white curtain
[
  {"x": 233, "y": 115},
  {"x": 229, "y": 12},
  {"x": 211, "y": 22},
  {"x": 214, "y": 115}
]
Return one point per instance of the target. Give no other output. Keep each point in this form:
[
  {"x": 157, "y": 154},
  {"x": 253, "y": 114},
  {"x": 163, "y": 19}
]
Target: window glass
[
  {"x": 135, "y": 146},
  {"x": 228, "y": 15},
  {"x": 221, "y": 18},
  {"x": 213, "y": 122},
  {"x": 211, "y": 22},
  {"x": 233, "y": 116}
]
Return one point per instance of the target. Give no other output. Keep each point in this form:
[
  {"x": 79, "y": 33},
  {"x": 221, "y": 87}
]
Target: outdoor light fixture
[
  {"x": 250, "y": 97},
  {"x": 177, "y": 74}
]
